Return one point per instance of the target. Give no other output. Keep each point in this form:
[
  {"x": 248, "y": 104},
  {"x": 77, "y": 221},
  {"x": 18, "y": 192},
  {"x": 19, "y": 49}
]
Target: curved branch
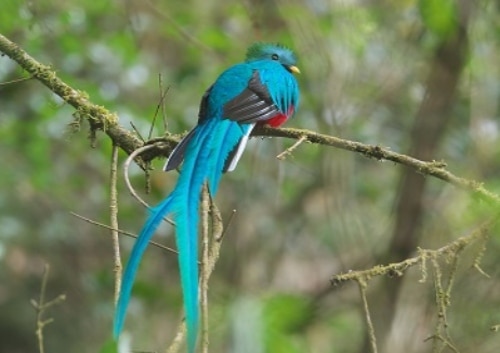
[{"x": 133, "y": 156}]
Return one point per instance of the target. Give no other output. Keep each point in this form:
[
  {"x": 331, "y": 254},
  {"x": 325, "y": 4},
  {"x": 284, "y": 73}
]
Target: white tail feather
[{"x": 241, "y": 148}]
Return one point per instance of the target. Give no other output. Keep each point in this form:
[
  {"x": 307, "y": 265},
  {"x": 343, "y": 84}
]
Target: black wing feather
[
  {"x": 253, "y": 104},
  {"x": 177, "y": 156},
  {"x": 202, "y": 113}
]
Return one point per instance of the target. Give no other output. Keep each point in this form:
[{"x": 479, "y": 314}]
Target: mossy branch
[
  {"x": 102, "y": 119},
  {"x": 451, "y": 254},
  {"x": 397, "y": 269},
  {"x": 436, "y": 169},
  {"x": 99, "y": 117}
]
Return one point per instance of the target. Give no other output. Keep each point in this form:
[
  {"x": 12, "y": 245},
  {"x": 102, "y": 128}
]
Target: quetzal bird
[{"x": 260, "y": 90}]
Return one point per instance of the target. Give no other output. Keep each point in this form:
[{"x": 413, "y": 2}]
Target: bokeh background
[{"x": 418, "y": 77}]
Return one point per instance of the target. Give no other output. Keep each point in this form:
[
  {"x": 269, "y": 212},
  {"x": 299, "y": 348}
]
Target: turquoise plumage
[{"x": 261, "y": 90}]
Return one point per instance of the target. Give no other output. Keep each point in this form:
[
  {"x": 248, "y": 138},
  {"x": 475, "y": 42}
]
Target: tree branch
[
  {"x": 432, "y": 168},
  {"x": 398, "y": 268},
  {"x": 101, "y": 119}
]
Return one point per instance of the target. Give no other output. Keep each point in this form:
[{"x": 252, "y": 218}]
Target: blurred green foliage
[
  {"x": 298, "y": 221},
  {"x": 440, "y": 16}
]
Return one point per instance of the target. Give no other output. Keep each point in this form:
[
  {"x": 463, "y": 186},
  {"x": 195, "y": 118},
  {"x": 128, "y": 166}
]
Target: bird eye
[{"x": 275, "y": 57}]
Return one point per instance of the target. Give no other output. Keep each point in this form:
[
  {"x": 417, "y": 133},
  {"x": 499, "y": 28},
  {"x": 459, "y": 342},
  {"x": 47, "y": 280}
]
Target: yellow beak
[{"x": 294, "y": 69}]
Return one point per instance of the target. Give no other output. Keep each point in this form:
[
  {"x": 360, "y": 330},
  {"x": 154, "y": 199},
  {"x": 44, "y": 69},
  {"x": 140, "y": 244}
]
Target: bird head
[{"x": 278, "y": 52}]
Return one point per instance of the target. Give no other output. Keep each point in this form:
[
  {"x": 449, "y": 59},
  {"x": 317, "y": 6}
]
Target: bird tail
[
  {"x": 156, "y": 216},
  {"x": 206, "y": 153}
]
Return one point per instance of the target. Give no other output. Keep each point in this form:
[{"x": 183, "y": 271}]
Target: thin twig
[
  {"x": 22, "y": 79},
  {"x": 218, "y": 231},
  {"x": 41, "y": 306},
  {"x": 129, "y": 234},
  {"x": 163, "y": 110},
  {"x": 443, "y": 295},
  {"x": 282, "y": 156},
  {"x": 126, "y": 167},
  {"x": 441, "y": 305},
  {"x": 138, "y": 133},
  {"x": 216, "y": 213},
  {"x": 40, "y": 323},
  {"x": 478, "y": 258},
  {"x": 175, "y": 346},
  {"x": 160, "y": 105},
  {"x": 205, "y": 209},
  {"x": 369, "y": 324},
  {"x": 113, "y": 221}
]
